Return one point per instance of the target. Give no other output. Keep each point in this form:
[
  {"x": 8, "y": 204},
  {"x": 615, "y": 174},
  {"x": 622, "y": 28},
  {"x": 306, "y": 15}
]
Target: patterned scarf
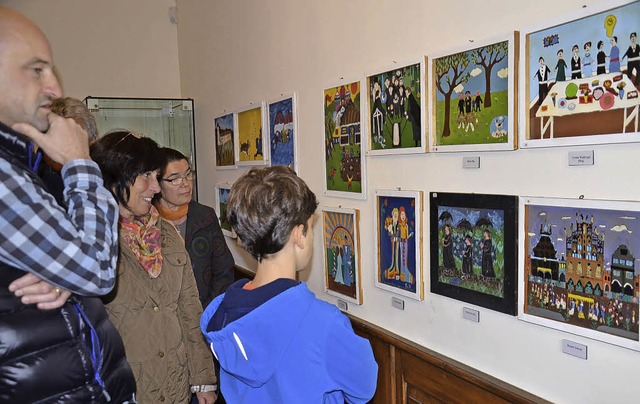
[
  {"x": 173, "y": 215},
  {"x": 143, "y": 237}
]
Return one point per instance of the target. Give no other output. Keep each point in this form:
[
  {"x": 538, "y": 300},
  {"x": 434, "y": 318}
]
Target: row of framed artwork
[
  {"x": 469, "y": 102},
  {"x": 563, "y": 263},
  {"x": 240, "y": 139},
  {"x": 568, "y": 264}
]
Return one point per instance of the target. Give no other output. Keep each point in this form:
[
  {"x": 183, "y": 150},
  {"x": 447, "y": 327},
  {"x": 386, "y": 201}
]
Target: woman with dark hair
[
  {"x": 154, "y": 304},
  {"x": 198, "y": 224}
]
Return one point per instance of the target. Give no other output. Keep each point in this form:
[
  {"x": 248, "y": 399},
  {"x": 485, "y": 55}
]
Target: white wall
[
  {"x": 115, "y": 48},
  {"x": 233, "y": 52},
  {"x": 236, "y": 52}
]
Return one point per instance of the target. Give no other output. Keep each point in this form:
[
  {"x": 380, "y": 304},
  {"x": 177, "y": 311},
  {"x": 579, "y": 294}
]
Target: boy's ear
[{"x": 297, "y": 235}]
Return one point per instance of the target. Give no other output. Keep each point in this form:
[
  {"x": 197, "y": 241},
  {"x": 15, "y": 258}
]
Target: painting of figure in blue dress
[
  {"x": 342, "y": 275},
  {"x": 282, "y": 133}
]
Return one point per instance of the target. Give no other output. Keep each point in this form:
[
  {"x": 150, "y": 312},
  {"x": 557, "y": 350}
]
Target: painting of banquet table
[{"x": 582, "y": 80}]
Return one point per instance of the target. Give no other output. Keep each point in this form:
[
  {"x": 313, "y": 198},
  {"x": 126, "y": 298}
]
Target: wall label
[
  {"x": 574, "y": 349},
  {"x": 581, "y": 158},
  {"x": 471, "y": 314}
]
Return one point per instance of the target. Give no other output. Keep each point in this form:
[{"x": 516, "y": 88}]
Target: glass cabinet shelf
[{"x": 170, "y": 122}]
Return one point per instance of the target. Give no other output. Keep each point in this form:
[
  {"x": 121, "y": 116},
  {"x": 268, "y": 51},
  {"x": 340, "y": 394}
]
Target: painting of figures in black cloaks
[
  {"x": 344, "y": 165},
  {"x": 581, "y": 78},
  {"x": 580, "y": 271},
  {"x": 283, "y": 132},
  {"x": 399, "y": 242},
  {"x": 342, "y": 253},
  {"x": 396, "y": 110},
  {"x": 224, "y": 132},
  {"x": 473, "y": 97},
  {"x": 473, "y": 239}
]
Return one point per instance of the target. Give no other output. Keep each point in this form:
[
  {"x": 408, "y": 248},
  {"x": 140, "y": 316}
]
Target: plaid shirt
[{"x": 76, "y": 250}]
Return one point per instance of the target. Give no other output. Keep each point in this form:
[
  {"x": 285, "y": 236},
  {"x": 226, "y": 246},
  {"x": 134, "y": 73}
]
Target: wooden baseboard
[{"x": 410, "y": 373}]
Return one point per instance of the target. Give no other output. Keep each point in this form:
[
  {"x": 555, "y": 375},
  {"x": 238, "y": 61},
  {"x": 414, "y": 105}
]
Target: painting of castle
[
  {"x": 224, "y": 141},
  {"x": 580, "y": 269}
]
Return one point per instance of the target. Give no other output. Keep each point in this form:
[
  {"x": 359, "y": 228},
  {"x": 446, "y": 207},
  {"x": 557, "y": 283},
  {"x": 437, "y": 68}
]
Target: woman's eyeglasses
[{"x": 178, "y": 180}]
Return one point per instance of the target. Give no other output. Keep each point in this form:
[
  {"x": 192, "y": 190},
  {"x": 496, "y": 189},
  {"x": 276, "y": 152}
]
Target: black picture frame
[{"x": 475, "y": 260}]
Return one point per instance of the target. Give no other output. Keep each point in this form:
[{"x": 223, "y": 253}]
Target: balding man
[{"x": 54, "y": 346}]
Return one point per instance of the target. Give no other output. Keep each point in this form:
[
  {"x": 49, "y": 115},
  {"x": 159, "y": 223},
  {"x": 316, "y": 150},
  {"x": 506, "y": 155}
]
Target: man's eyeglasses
[{"x": 178, "y": 180}]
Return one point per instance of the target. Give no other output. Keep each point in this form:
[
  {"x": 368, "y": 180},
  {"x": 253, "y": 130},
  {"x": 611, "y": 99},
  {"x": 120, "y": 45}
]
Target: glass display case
[{"x": 170, "y": 122}]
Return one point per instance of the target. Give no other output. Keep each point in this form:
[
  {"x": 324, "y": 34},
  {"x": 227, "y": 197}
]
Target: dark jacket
[
  {"x": 45, "y": 355},
  {"x": 210, "y": 257}
]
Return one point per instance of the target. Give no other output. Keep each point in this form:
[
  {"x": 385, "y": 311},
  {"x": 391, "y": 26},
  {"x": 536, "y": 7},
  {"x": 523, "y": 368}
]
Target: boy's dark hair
[
  {"x": 265, "y": 205},
  {"x": 123, "y": 155}
]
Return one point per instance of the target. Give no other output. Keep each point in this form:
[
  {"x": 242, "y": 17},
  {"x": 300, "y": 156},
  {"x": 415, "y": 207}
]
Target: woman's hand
[{"x": 33, "y": 290}]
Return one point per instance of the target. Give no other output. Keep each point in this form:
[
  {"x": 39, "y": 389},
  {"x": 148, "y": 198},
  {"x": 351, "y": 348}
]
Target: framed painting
[
  {"x": 398, "y": 225},
  {"x": 250, "y": 151},
  {"x": 473, "y": 97},
  {"x": 222, "y": 198},
  {"x": 283, "y": 132},
  {"x": 341, "y": 242},
  {"x": 473, "y": 239},
  {"x": 396, "y": 110},
  {"x": 224, "y": 132},
  {"x": 581, "y": 78},
  {"x": 580, "y": 271},
  {"x": 345, "y": 173}
]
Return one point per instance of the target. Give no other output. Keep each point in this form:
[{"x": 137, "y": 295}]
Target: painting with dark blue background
[{"x": 282, "y": 133}]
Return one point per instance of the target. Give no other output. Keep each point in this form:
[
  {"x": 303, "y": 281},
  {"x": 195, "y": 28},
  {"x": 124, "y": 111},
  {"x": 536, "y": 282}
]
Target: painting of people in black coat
[
  {"x": 473, "y": 248},
  {"x": 593, "y": 85},
  {"x": 487, "y": 255},
  {"x": 469, "y": 91},
  {"x": 395, "y": 104}
]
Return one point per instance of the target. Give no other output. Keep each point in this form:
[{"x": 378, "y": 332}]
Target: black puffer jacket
[{"x": 46, "y": 355}]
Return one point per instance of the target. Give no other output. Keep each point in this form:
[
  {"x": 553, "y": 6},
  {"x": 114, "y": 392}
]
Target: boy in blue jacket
[{"x": 275, "y": 341}]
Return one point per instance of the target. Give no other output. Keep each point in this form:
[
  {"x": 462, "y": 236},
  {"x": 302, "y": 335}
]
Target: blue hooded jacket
[{"x": 293, "y": 348}]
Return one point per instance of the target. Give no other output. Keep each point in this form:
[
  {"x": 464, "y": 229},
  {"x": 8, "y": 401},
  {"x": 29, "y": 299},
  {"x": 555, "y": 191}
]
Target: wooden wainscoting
[{"x": 410, "y": 373}]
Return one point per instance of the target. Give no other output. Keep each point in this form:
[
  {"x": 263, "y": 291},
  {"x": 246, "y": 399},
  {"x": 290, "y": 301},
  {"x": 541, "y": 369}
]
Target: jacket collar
[{"x": 16, "y": 145}]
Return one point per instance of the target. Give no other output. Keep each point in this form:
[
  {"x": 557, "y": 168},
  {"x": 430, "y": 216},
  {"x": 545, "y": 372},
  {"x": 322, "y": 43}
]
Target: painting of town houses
[
  {"x": 396, "y": 110},
  {"x": 473, "y": 97},
  {"x": 250, "y": 137},
  {"x": 581, "y": 271},
  {"x": 282, "y": 132},
  {"x": 582, "y": 78},
  {"x": 399, "y": 242},
  {"x": 344, "y": 165},
  {"x": 224, "y": 140},
  {"x": 342, "y": 253}
]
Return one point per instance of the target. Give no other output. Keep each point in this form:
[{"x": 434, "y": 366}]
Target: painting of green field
[{"x": 483, "y": 126}]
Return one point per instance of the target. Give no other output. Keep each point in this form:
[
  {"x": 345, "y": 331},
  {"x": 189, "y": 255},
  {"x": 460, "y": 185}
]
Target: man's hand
[
  {"x": 64, "y": 141},
  {"x": 207, "y": 398},
  {"x": 33, "y": 290}
]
